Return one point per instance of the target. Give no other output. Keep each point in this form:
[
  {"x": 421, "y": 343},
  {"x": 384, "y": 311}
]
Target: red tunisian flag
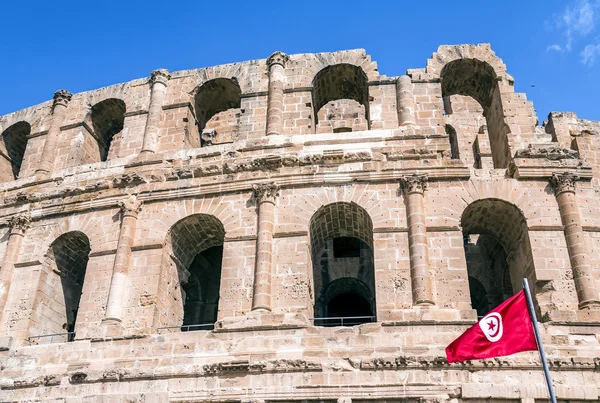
[{"x": 504, "y": 331}]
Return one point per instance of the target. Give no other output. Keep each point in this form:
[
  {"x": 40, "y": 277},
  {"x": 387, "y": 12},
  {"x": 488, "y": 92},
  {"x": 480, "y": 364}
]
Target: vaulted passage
[
  {"x": 13, "y": 142},
  {"x": 478, "y": 80},
  {"x": 497, "y": 250},
  {"x": 341, "y": 237},
  {"x": 217, "y": 107},
  {"x": 341, "y": 99},
  {"x": 107, "y": 120},
  {"x": 60, "y": 287},
  {"x": 195, "y": 246}
]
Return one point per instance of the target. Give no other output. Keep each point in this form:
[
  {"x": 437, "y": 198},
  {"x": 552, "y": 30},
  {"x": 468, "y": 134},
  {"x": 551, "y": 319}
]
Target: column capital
[
  {"x": 19, "y": 222},
  {"x": 265, "y": 192},
  {"x": 344, "y": 399},
  {"x": 277, "y": 58},
  {"x": 160, "y": 76},
  {"x": 416, "y": 183},
  {"x": 61, "y": 97},
  {"x": 130, "y": 206},
  {"x": 564, "y": 182}
]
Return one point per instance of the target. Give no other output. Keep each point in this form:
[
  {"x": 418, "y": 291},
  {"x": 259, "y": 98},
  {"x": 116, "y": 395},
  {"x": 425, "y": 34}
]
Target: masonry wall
[{"x": 265, "y": 190}]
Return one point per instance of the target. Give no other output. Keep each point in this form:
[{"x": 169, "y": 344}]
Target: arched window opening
[
  {"x": 217, "y": 107},
  {"x": 477, "y": 79},
  {"x": 341, "y": 99},
  {"x": 108, "y": 118},
  {"x": 58, "y": 297},
  {"x": 497, "y": 251},
  {"x": 343, "y": 265},
  {"x": 453, "y": 139},
  {"x": 12, "y": 149},
  {"x": 195, "y": 247}
]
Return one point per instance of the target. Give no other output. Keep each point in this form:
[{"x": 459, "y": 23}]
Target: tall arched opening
[
  {"x": 60, "y": 288},
  {"x": 478, "y": 80},
  {"x": 195, "y": 247},
  {"x": 341, "y": 99},
  {"x": 497, "y": 251},
  {"x": 108, "y": 118},
  {"x": 13, "y": 143},
  {"x": 341, "y": 240},
  {"x": 217, "y": 105}
]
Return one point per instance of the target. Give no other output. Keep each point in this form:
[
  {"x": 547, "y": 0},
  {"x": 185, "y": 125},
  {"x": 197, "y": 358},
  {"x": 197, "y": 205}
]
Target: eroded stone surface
[{"x": 307, "y": 187}]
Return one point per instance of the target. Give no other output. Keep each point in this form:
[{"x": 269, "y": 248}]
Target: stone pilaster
[
  {"x": 130, "y": 209},
  {"x": 265, "y": 195},
  {"x": 59, "y": 109},
  {"x": 585, "y": 284},
  {"x": 18, "y": 224},
  {"x": 414, "y": 188},
  {"x": 158, "y": 81},
  {"x": 276, "y": 63},
  {"x": 405, "y": 101}
]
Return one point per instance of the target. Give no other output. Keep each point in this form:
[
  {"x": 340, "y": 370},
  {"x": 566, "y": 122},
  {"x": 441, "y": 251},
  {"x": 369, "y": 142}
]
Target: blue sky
[{"x": 80, "y": 45}]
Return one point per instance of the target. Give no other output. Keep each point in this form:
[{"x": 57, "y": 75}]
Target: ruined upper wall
[{"x": 284, "y": 99}]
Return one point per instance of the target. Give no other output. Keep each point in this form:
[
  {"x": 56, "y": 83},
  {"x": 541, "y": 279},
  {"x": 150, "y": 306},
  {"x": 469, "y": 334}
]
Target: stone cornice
[
  {"x": 83, "y": 374},
  {"x": 154, "y": 187}
]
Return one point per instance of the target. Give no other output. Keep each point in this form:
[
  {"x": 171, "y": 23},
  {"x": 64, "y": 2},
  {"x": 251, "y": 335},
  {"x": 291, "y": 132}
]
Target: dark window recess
[
  {"x": 343, "y": 129},
  {"x": 346, "y": 247}
]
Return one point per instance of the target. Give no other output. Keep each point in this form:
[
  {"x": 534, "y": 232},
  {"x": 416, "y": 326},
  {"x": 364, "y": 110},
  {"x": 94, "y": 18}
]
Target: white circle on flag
[{"x": 491, "y": 325}]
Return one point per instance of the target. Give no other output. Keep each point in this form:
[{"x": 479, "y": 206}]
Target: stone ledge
[
  {"x": 427, "y": 315},
  {"x": 572, "y": 318},
  {"x": 262, "y": 321}
]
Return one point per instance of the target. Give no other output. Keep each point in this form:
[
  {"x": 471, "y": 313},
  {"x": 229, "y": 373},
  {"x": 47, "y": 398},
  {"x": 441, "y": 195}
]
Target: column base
[
  {"x": 591, "y": 304},
  {"x": 262, "y": 320},
  {"x": 112, "y": 328}
]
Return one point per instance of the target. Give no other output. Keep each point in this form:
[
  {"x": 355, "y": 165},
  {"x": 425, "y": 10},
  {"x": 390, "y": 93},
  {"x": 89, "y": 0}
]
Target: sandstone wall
[{"x": 271, "y": 160}]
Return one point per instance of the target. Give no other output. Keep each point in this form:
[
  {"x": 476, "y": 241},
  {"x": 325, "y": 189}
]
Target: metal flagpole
[{"x": 538, "y": 339}]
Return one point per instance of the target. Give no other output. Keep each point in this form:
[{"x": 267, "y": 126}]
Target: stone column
[
  {"x": 158, "y": 81},
  {"x": 585, "y": 284},
  {"x": 414, "y": 187},
  {"x": 18, "y": 224},
  {"x": 276, "y": 63},
  {"x": 130, "y": 208},
  {"x": 405, "y": 101},
  {"x": 265, "y": 195},
  {"x": 59, "y": 109}
]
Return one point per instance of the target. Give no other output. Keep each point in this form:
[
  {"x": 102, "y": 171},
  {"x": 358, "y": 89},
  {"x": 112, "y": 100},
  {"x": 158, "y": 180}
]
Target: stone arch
[
  {"x": 217, "y": 104},
  {"x": 107, "y": 119},
  {"x": 341, "y": 98},
  {"x": 193, "y": 250},
  {"x": 497, "y": 250},
  {"x": 34, "y": 115},
  {"x": 478, "y": 79},
  {"x": 303, "y": 68},
  {"x": 59, "y": 294},
  {"x": 449, "y": 53},
  {"x": 341, "y": 243},
  {"x": 13, "y": 142},
  {"x": 367, "y": 197}
]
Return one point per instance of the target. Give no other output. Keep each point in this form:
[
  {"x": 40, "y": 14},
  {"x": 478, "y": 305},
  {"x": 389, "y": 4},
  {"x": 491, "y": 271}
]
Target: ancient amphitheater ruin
[{"x": 295, "y": 229}]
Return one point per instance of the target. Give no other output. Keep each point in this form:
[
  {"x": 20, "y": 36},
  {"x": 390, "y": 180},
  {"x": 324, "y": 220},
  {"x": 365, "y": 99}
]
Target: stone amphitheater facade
[{"x": 201, "y": 235}]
